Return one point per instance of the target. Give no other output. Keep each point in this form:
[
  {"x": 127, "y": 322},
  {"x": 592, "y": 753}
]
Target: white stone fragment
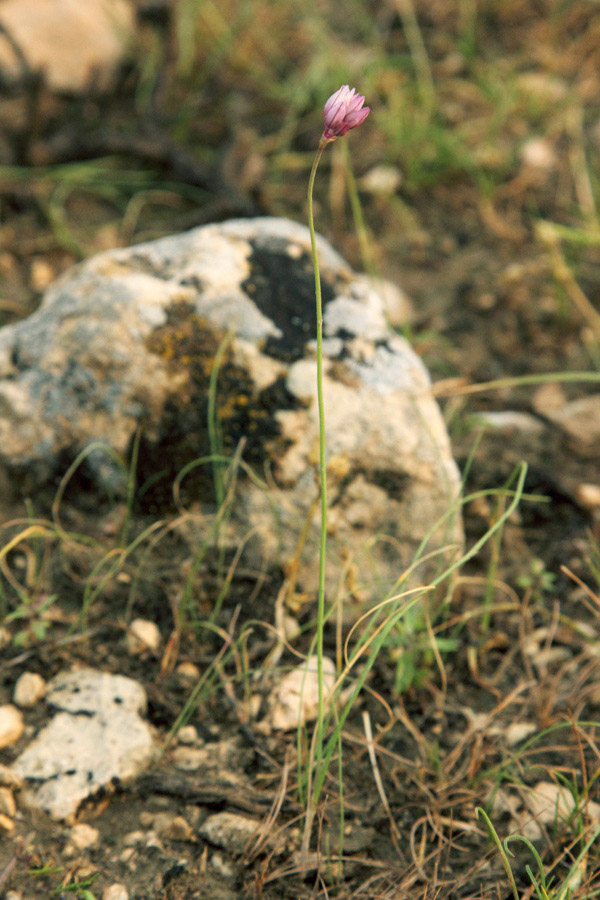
[
  {"x": 537, "y": 153},
  {"x": 549, "y": 803},
  {"x": 115, "y": 892},
  {"x": 187, "y": 671},
  {"x": 10, "y": 779},
  {"x": 295, "y": 699},
  {"x": 142, "y": 635},
  {"x": 6, "y": 823},
  {"x": 30, "y": 688},
  {"x": 588, "y": 495},
  {"x": 83, "y": 836},
  {"x": 230, "y": 831},
  {"x": 97, "y": 738},
  {"x": 11, "y": 725},
  {"x": 519, "y": 731},
  {"x": 187, "y": 735},
  {"x": 72, "y": 43},
  {"x": 7, "y": 802}
]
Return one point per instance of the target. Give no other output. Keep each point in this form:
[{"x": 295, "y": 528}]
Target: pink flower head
[{"x": 344, "y": 110}]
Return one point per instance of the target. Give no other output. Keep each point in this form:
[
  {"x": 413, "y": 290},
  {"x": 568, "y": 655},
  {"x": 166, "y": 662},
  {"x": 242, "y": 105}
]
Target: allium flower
[{"x": 344, "y": 110}]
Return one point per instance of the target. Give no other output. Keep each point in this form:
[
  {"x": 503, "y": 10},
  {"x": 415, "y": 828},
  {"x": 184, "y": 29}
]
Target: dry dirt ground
[{"x": 517, "y": 639}]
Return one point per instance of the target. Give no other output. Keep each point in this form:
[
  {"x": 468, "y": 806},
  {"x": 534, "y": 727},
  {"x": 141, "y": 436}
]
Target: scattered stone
[
  {"x": 537, "y": 153},
  {"x": 588, "y": 495},
  {"x": 4, "y": 637},
  {"x": 549, "y": 802},
  {"x": 548, "y": 398},
  {"x": 224, "y": 754},
  {"x": 230, "y": 831},
  {"x": 503, "y": 801},
  {"x": 128, "y": 337},
  {"x": 580, "y": 419},
  {"x": 174, "y": 828},
  {"x": 146, "y": 818},
  {"x": 11, "y": 725},
  {"x": 83, "y": 836},
  {"x": 222, "y": 866},
  {"x": 295, "y": 700},
  {"x": 382, "y": 180},
  {"x": 13, "y": 895},
  {"x": 115, "y": 892},
  {"x": 30, "y": 688},
  {"x": 187, "y": 735},
  {"x": 72, "y": 43},
  {"x": 187, "y": 671},
  {"x": 512, "y": 420},
  {"x": 42, "y": 273},
  {"x": 518, "y": 731},
  {"x": 523, "y": 823},
  {"x": 96, "y": 738},
  {"x": 188, "y": 759},
  {"x": 10, "y": 779},
  {"x": 7, "y": 802},
  {"x": 133, "y": 838},
  {"x": 6, "y": 823},
  {"x": 142, "y": 635}
]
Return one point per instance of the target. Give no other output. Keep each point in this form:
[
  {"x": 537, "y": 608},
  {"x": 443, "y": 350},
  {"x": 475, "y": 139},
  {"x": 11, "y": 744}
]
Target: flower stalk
[{"x": 343, "y": 111}]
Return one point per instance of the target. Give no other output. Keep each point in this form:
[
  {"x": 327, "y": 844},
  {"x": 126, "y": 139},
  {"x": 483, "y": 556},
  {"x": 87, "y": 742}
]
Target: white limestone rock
[
  {"x": 73, "y": 44},
  {"x": 97, "y": 737},
  {"x": 129, "y": 337}
]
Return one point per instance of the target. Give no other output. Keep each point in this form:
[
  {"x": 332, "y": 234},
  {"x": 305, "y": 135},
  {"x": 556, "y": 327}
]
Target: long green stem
[{"x": 322, "y": 463}]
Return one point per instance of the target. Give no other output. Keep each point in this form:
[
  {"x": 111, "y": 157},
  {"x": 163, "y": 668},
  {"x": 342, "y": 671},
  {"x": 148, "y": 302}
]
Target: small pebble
[
  {"x": 4, "y": 637},
  {"x": 190, "y": 758},
  {"x": 230, "y": 831},
  {"x": 187, "y": 671},
  {"x": 83, "y": 836},
  {"x": 221, "y": 866},
  {"x": 187, "y": 735},
  {"x": 11, "y": 725},
  {"x": 7, "y": 802},
  {"x": 30, "y": 688},
  {"x": 179, "y": 830},
  {"x": 10, "y": 779},
  {"x": 133, "y": 838},
  {"x": 13, "y": 895},
  {"x": 588, "y": 495},
  {"x": 42, "y": 273},
  {"x": 539, "y": 154},
  {"x": 142, "y": 635},
  {"x": 115, "y": 892},
  {"x": 6, "y": 823},
  {"x": 146, "y": 818}
]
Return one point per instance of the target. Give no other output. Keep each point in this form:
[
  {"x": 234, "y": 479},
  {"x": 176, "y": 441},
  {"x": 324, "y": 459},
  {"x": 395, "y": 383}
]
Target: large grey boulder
[{"x": 129, "y": 338}]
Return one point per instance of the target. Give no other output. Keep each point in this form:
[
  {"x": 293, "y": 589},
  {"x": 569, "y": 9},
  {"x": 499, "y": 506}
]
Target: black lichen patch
[
  {"x": 282, "y": 285},
  {"x": 392, "y": 482},
  {"x": 188, "y": 344}
]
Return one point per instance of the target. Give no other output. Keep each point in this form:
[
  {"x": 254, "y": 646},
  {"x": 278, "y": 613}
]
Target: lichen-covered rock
[{"x": 130, "y": 337}]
